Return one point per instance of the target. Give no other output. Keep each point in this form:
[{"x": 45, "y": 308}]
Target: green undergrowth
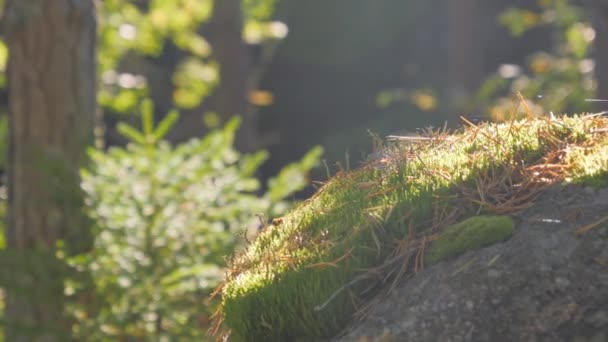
[{"x": 308, "y": 272}]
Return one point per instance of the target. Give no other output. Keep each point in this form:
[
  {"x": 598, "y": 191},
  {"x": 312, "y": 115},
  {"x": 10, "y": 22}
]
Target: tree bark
[
  {"x": 52, "y": 101},
  {"x": 598, "y": 13},
  {"x": 231, "y": 95},
  {"x": 464, "y": 51}
]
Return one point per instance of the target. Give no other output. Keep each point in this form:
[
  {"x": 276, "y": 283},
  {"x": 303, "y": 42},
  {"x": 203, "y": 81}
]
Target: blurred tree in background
[
  {"x": 597, "y": 14},
  {"x": 170, "y": 195},
  {"x": 560, "y": 80},
  {"x": 193, "y": 55},
  {"x": 51, "y": 84}
]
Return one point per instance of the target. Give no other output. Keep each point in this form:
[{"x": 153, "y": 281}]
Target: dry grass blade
[
  {"x": 416, "y": 138},
  {"x": 584, "y": 229},
  {"x": 333, "y": 263}
]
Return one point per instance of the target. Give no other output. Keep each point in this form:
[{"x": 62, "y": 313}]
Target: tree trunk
[
  {"x": 464, "y": 51},
  {"x": 231, "y": 95},
  {"x": 598, "y": 12},
  {"x": 52, "y": 100}
]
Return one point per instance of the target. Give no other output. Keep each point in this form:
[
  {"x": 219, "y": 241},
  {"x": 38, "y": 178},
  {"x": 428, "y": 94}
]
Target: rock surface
[{"x": 544, "y": 284}]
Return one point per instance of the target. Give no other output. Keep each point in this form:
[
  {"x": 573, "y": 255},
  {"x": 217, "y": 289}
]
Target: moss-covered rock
[{"x": 306, "y": 275}]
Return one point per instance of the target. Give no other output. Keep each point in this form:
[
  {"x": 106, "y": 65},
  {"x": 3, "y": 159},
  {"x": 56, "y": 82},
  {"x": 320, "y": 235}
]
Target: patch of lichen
[
  {"x": 302, "y": 278},
  {"x": 470, "y": 234}
]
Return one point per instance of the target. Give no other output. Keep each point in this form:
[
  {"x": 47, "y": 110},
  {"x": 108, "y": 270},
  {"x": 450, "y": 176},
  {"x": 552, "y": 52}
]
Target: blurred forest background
[{"x": 213, "y": 117}]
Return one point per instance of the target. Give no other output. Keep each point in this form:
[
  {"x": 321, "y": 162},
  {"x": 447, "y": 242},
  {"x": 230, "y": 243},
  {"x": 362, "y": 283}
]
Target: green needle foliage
[
  {"x": 306, "y": 274},
  {"x": 165, "y": 218}
]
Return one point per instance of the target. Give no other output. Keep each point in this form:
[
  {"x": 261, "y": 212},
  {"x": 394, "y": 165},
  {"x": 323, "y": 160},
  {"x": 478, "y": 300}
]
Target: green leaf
[
  {"x": 293, "y": 177},
  {"x": 250, "y": 163},
  {"x": 194, "y": 79},
  {"x": 232, "y": 125},
  {"x": 311, "y": 158},
  {"x": 3, "y": 56},
  {"x": 165, "y": 125},
  {"x": 124, "y": 102},
  {"x": 519, "y": 21},
  {"x": 131, "y": 133},
  {"x": 576, "y": 40},
  {"x": 147, "y": 116}
]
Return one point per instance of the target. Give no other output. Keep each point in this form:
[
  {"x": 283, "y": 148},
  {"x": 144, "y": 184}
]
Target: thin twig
[
  {"x": 584, "y": 229},
  {"x": 337, "y": 292}
]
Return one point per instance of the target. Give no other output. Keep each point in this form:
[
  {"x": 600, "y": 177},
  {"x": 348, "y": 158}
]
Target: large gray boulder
[{"x": 546, "y": 283}]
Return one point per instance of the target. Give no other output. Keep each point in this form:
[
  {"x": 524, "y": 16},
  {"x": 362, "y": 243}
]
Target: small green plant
[{"x": 165, "y": 218}]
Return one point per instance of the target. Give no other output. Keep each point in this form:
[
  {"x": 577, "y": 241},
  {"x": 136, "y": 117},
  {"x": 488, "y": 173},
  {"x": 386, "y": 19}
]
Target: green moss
[
  {"x": 590, "y": 165},
  {"x": 470, "y": 234},
  {"x": 302, "y": 279}
]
